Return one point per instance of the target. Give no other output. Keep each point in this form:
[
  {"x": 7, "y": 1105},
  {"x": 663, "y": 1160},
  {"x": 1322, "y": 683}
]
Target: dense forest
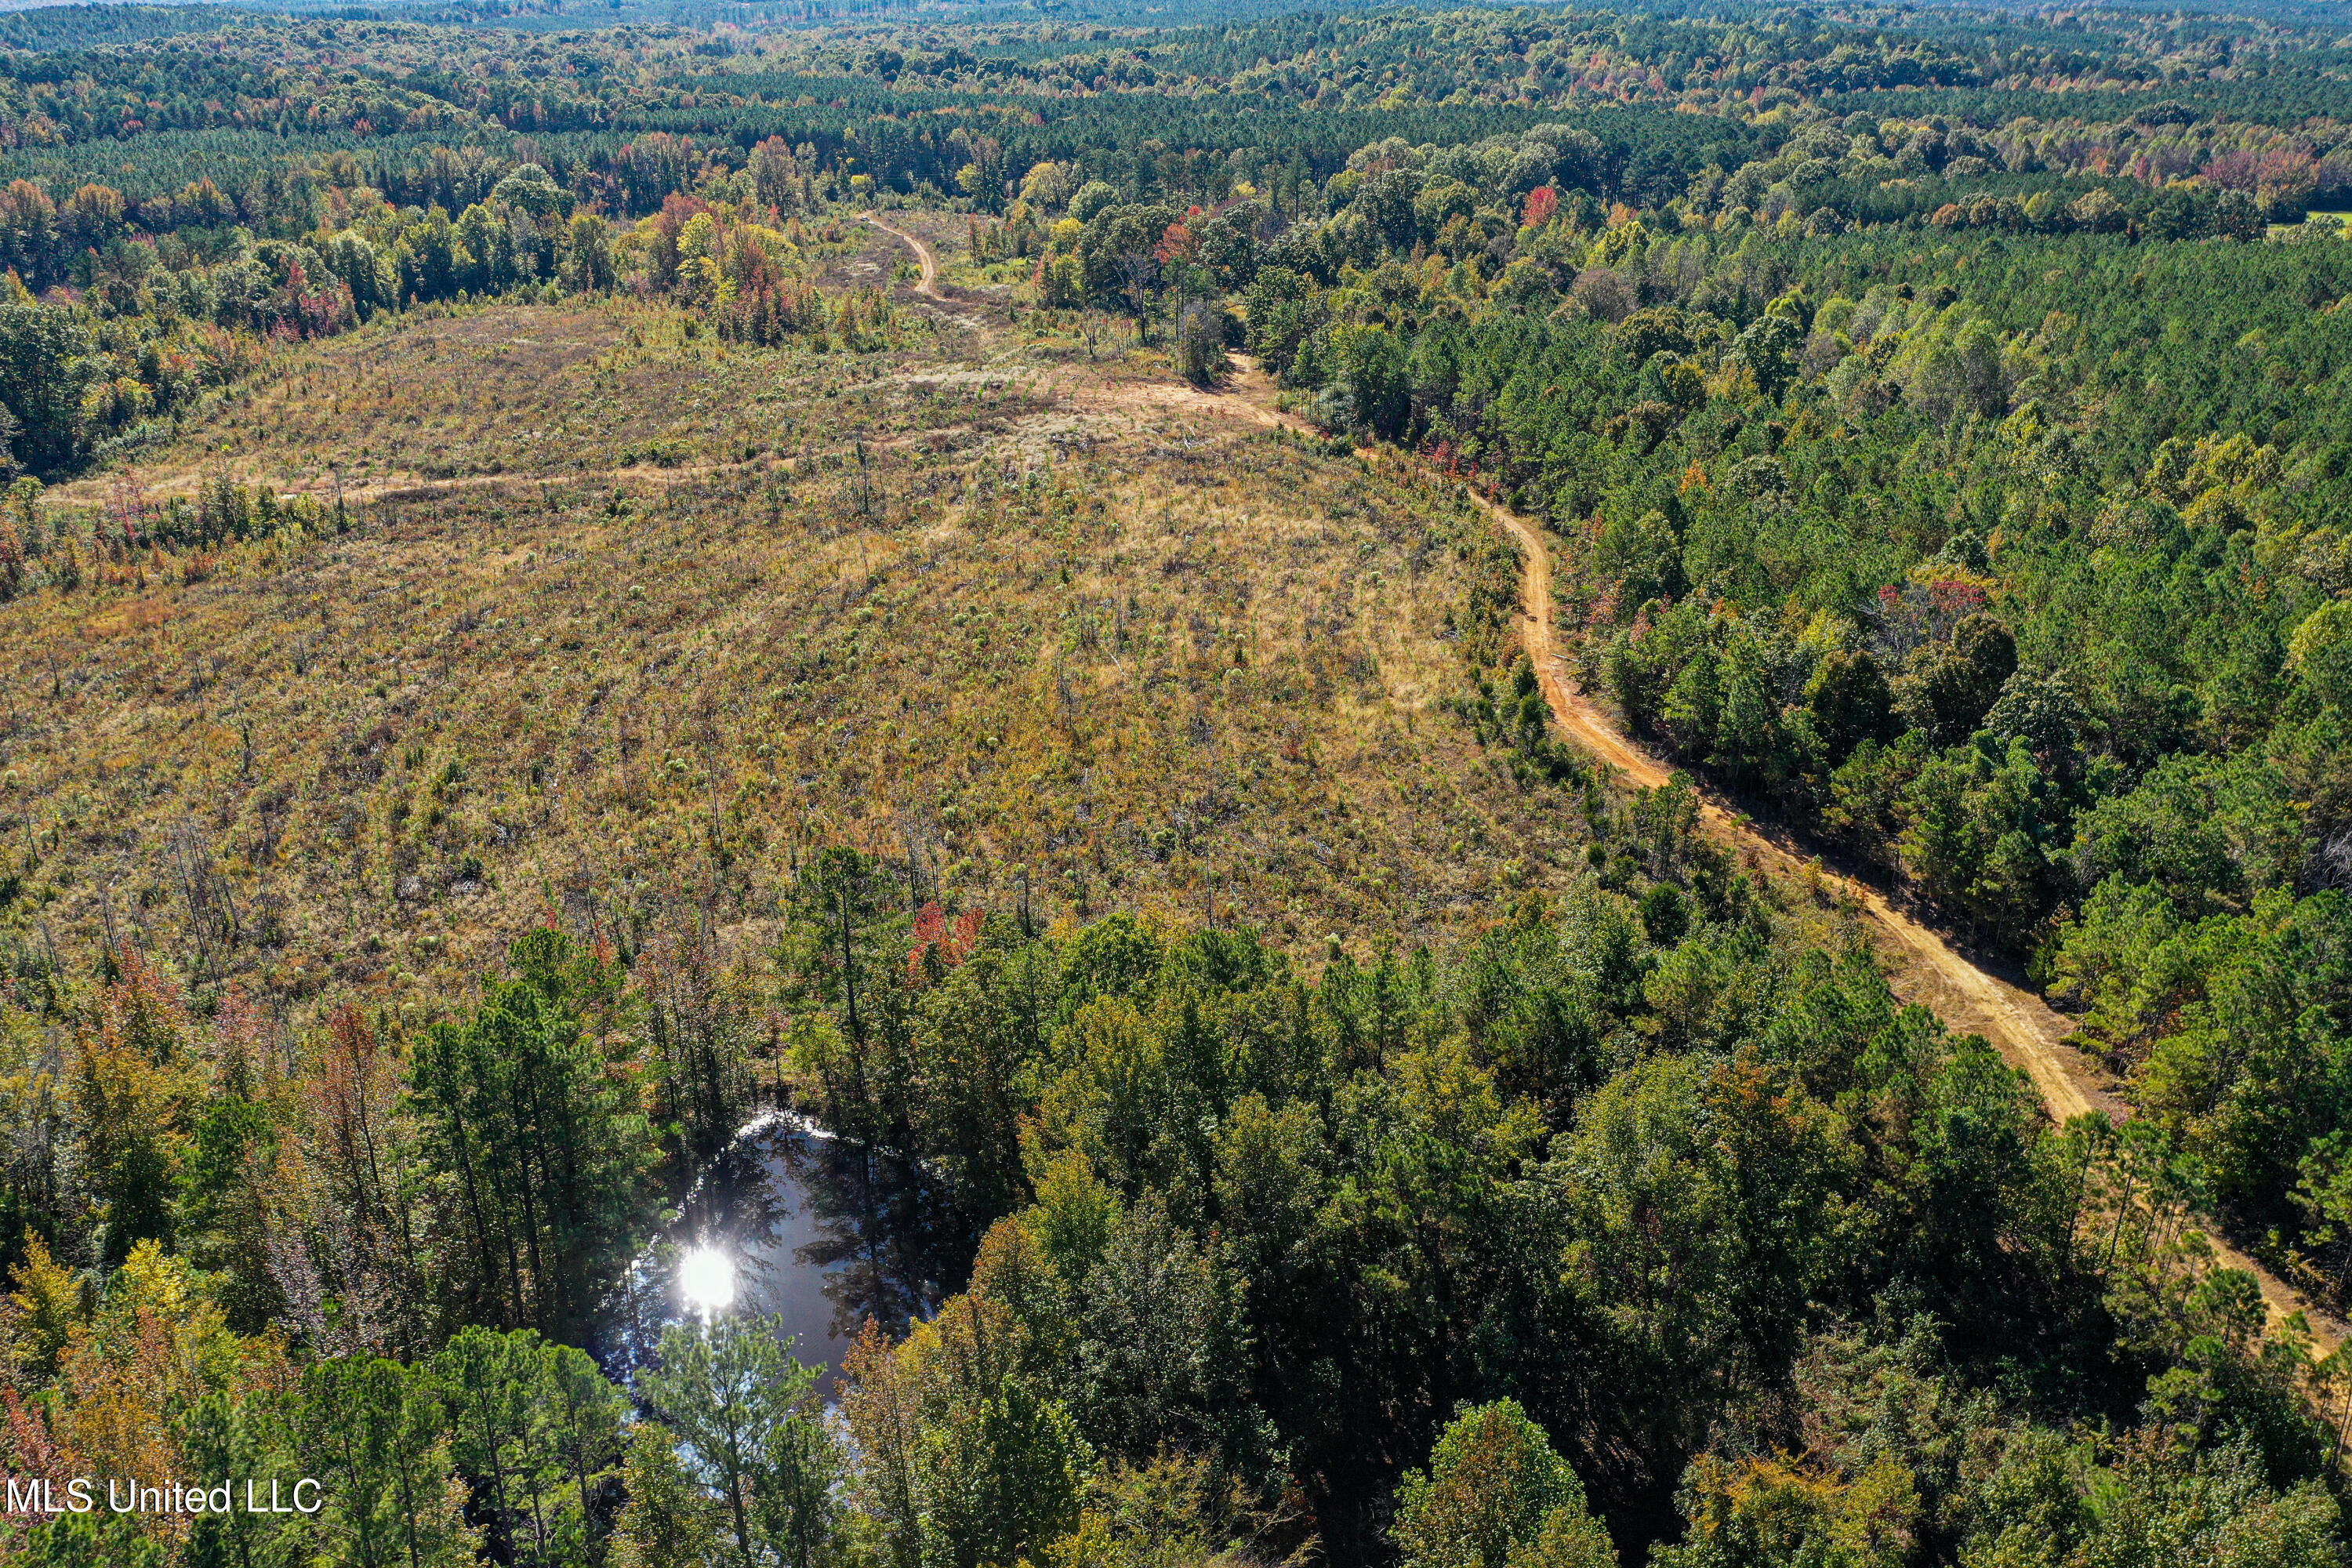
[
  {"x": 1651, "y": 1207},
  {"x": 1935, "y": 418},
  {"x": 193, "y": 191}
]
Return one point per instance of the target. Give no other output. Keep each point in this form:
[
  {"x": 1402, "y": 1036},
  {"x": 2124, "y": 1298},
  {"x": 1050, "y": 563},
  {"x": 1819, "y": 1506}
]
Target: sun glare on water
[{"x": 705, "y": 1278}]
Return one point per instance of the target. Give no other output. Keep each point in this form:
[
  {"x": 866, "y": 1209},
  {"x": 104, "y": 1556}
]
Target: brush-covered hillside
[{"x": 577, "y": 610}]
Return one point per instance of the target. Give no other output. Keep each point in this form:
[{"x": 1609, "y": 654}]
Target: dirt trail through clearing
[
  {"x": 2025, "y": 1029},
  {"x": 1927, "y": 968},
  {"x": 929, "y": 287}
]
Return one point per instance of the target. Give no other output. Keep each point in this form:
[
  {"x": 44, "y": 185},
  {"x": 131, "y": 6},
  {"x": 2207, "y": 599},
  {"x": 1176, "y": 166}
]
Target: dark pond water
[{"x": 821, "y": 1232}]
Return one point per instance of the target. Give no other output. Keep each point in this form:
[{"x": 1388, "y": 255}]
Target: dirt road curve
[
  {"x": 2026, "y": 1031},
  {"x": 2019, "y": 1025},
  {"x": 1926, "y": 969},
  {"x": 928, "y": 258}
]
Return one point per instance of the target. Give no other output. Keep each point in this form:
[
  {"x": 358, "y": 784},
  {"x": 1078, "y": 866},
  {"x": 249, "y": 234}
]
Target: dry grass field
[{"x": 626, "y": 621}]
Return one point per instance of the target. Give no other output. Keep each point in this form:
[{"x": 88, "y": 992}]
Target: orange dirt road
[{"x": 2020, "y": 1026}]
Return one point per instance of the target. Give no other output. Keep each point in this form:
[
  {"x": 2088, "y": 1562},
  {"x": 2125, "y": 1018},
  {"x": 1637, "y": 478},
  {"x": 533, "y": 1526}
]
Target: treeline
[
  {"x": 1300, "y": 88},
  {"x": 186, "y": 195},
  {"x": 129, "y": 336},
  {"x": 297, "y": 75},
  {"x": 1601, "y": 1212},
  {"x": 141, "y": 305}
]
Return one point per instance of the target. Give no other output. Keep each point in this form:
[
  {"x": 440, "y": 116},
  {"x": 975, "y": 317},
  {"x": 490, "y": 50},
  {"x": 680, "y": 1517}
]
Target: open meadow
[{"x": 618, "y": 622}]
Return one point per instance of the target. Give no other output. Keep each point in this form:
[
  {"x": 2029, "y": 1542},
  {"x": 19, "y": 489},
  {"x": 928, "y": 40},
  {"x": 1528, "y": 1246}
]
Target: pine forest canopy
[{"x": 538, "y": 632}]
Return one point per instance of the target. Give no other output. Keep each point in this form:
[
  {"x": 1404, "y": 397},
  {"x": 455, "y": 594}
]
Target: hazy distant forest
[{"x": 534, "y": 633}]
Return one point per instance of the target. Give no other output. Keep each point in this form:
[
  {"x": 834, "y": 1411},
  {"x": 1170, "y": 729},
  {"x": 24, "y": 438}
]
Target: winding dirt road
[
  {"x": 1926, "y": 969},
  {"x": 2026, "y": 1031},
  {"x": 2024, "y": 1028},
  {"x": 926, "y": 258}
]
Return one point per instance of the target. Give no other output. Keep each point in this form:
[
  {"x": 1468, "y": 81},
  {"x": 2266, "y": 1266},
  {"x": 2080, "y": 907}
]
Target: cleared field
[{"x": 1001, "y": 635}]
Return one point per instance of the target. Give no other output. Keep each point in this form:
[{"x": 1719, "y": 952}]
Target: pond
[{"x": 819, "y": 1231}]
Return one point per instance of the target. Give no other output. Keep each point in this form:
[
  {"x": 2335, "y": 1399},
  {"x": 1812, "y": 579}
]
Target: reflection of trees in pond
[
  {"x": 807, "y": 1220},
  {"x": 892, "y": 1244},
  {"x": 738, "y": 1203}
]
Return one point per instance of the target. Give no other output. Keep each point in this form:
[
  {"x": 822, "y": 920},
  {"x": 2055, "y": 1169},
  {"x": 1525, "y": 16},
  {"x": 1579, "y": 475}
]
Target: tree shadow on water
[{"x": 824, "y": 1234}]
